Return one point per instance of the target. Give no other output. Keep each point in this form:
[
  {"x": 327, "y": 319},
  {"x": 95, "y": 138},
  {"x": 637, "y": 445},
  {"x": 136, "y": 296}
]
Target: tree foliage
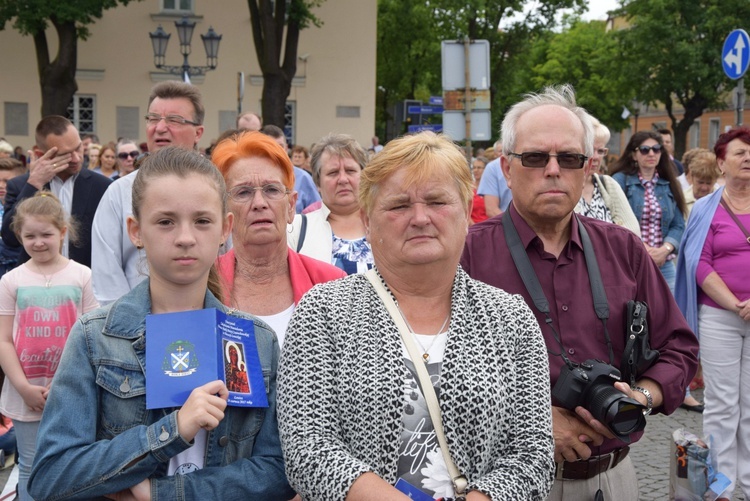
[
  {"x": 671, "y": 54},
  {"x": 70, "y": 20},
  {"x": 583, "y": 54},
  {"x": 276, "y": 27},
  {"x": 410, "y": 32}
]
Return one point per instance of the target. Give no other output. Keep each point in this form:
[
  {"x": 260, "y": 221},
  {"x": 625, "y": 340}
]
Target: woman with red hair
[{"x": 261, "y": 274}]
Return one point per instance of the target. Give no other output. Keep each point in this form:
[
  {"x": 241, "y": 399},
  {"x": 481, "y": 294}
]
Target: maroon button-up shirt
[{"x": 628, "y": 272}]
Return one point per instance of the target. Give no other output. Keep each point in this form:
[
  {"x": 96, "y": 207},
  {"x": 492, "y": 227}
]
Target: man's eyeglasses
[
  {"x": 132, "y": 154},
  {"x": 243, "y": 193},
  {"x": 539, "y": 160},
  {"x": 173, "y": 120},
  {"x": 645, "y": 149}
]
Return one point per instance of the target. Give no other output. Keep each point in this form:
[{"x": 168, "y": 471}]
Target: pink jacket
[{"x": 304, "y": 271}]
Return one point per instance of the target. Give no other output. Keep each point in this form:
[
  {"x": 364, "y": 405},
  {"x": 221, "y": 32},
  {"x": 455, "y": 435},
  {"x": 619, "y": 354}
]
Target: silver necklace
[
  {"x": 425, "y": 354},
  {"x": 48, "y": 279}
]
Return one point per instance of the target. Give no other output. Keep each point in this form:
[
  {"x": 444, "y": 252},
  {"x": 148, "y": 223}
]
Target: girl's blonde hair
[{"x": 44, "y": 205}]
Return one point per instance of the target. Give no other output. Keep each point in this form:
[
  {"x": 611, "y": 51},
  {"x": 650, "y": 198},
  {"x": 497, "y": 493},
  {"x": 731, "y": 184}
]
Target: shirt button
[
  {"x": 223, "y": 441},
  {"x": 571, "y": 351},
  {"x": 164, "y": 435},
  {"x": 565, "y": 307}
]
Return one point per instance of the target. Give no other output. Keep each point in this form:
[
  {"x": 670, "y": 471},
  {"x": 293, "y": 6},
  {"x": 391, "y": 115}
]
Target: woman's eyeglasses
[
  {"x": 645, "y": 149},
  {"x": 539, "y": 160},
  {"x": 243, "y": 193},
  {"x": 132, "y": 154}
]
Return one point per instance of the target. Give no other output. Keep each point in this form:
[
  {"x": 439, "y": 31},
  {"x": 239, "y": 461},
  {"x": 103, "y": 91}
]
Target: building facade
[{"x": 334, "y": 90}]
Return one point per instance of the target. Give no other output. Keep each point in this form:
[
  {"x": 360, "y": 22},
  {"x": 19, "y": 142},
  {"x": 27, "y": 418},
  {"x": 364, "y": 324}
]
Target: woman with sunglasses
[
  {"x": 646, "y": 175},
  {"x": 127, "y": 152}
]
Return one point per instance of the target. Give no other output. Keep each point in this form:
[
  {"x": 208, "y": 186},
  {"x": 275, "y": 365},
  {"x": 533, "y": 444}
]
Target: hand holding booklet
[{"x": 187, "y": 349}]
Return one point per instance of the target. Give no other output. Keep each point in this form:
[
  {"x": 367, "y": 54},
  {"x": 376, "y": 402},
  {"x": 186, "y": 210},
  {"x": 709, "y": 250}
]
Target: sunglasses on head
[
  {"x": 645, "y": 149},
  {"x": 132, "y": 154},
  {"x": 539, "y": 160}
]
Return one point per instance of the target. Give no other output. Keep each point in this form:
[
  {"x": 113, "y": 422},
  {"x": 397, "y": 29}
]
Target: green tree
[
  {"x": 409, "y": 35},
  {"x": 671, "y": 54},
  {"x": 277, "y": 54},
  {"x": 584, "y": 54},
  {"x": 70, "y": 20}
]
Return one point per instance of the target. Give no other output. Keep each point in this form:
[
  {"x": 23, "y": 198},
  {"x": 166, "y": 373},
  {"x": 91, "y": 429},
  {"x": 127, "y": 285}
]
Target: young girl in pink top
[{"x": 39, "y": 302}]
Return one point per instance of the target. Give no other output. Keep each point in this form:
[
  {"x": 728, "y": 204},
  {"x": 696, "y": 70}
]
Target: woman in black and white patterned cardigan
[{"x": 352, "y": 417}]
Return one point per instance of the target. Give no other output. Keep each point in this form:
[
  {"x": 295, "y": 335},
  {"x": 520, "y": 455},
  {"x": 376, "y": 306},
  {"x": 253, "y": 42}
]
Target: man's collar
[{"x": 528, "y": 235}]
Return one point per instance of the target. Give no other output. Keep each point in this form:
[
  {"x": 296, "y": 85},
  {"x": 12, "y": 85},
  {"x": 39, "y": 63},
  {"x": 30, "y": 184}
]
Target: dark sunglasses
[
  {"x": 645, "y": 149},
  {"x": 132, "y": 154},
  {"x": 539, "y": 160}
]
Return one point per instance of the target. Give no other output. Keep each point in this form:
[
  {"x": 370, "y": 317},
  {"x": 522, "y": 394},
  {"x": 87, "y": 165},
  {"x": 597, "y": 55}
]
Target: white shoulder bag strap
[{"x": 459, "y": 481}]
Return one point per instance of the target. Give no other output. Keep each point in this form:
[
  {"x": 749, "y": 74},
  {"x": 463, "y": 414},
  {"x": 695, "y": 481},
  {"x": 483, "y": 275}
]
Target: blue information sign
[
  {"x": 436, "y": 100},
  {"x": 425, "y": 110},
  {"x": 735, "y": 56},
  {"x": 420, "y": 128}
]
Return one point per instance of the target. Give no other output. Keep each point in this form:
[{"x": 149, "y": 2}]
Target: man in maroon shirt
[{"x": 545, "y": 191}]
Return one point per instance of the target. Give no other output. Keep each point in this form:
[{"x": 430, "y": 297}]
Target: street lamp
[{"x": 160, "y": 39}]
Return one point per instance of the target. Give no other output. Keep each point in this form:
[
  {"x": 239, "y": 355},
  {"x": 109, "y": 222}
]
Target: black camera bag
[{"x": 638, "y": 355}]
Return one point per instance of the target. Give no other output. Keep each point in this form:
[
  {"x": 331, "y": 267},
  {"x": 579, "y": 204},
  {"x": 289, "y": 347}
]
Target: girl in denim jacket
[{"x": 97, "y": 439}]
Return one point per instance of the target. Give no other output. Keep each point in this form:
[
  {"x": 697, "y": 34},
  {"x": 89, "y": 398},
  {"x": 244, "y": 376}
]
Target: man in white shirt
[{"x": 175, "y": 117}]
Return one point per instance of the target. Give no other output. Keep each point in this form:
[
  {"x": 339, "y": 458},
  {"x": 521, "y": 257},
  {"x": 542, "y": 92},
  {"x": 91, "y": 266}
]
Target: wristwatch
[{"x": 649, "y": 399}]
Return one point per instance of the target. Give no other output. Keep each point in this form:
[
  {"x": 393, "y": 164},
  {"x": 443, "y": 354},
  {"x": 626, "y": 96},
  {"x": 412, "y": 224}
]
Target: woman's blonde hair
[{"x": 421, "y": 157}]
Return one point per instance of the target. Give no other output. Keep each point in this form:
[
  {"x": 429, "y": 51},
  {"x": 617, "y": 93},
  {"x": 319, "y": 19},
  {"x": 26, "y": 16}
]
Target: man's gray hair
[{"x": 555, "y": 95}]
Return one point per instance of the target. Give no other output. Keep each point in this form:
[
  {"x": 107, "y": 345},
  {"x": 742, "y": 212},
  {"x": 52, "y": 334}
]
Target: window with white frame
[
  {"x": 714, "y": 128},
  {"x": 82, "y": 112},
  {"x": 290, "y": 119},
  {"x": 694, "y": 135},
  {"x": 178, "y": 6}
]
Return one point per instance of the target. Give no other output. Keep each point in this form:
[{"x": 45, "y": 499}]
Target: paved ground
[{"x": 650, "y": 455}]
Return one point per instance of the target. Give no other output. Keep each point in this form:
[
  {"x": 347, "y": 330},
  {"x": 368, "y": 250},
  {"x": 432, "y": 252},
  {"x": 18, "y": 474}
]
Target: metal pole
[
  {"x": 740, "y": 101},
  {"x": 467, "y": 98},
  {"x": 185, "y": 69}
]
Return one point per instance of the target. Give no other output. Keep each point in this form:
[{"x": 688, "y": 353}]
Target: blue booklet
[{"x": 188, "y": 349}]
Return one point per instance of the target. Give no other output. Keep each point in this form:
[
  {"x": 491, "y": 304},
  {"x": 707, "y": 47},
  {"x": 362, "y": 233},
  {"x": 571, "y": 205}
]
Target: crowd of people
[{"x": 423, "y": 325}]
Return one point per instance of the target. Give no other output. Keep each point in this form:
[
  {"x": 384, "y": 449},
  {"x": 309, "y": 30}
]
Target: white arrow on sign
[{"x": 734, "y": 57}]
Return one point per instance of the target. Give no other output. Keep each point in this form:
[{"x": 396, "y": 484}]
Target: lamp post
[{"x": 160, "y": 39}]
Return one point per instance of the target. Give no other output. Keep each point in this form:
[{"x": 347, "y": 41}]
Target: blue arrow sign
[
  {"x": 419, "y": 128},
  {"x": 436, "y": 100},
  {"x": 735, "y": 56},
  {"x": 425, "y": 110}
]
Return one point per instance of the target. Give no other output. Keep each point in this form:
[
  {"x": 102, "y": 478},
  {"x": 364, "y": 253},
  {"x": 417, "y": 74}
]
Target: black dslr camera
[{"x": 591, "y": 385}]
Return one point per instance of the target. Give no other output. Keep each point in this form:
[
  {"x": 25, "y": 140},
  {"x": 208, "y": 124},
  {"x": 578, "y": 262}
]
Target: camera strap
[{"x": 534, "y": 288}]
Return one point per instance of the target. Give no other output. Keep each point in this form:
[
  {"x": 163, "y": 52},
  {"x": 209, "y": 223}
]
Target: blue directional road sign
[
  {"x": 419, "y": 128},
  {"x": 425, "y": 110},
  {"x": 735, "y": 56},
  {"x": 436, "y": 100}
]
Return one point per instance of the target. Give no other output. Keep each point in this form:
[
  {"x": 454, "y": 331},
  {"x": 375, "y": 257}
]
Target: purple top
[
  {"x": 725, "y": 251},
  {"x": 628, "y": 272}
]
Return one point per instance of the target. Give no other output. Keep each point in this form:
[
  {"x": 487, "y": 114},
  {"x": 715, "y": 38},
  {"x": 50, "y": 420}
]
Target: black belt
[{"x": 591, "y": 467}]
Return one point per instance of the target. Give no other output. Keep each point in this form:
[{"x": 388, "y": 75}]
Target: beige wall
[{"x": 116, "y": 65}]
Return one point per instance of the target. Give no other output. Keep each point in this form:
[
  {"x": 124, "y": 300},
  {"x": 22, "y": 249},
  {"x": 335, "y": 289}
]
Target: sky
[{"x": 598, "y": 9}]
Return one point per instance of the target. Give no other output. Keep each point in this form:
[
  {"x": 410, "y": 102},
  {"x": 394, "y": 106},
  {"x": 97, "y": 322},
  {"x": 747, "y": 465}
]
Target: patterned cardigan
[{"x": 340, "y": 399}]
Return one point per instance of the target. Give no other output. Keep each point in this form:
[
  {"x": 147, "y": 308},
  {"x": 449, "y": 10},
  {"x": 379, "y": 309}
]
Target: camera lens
[{"x": 619, "y": 413}]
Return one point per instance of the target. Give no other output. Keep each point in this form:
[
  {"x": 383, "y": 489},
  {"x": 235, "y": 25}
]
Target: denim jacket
[
  {"x": 672, "y": 220},
  {"x": 96, "y": 436}
]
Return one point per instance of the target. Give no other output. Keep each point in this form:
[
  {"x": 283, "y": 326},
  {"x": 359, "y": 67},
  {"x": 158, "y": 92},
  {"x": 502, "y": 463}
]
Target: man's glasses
[
  {"x": 645, "y": 149},
  {"x": 132, "y": 154},
  {"x": 243, "y": 193},
  {"x": 173, "y": 120},
  {"x": 539, "y": 160}
]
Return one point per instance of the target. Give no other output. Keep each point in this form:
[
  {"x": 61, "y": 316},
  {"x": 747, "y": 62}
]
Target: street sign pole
[
  {"x": 467, "y": 98},
  {"x": 735, "y": 59}
]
